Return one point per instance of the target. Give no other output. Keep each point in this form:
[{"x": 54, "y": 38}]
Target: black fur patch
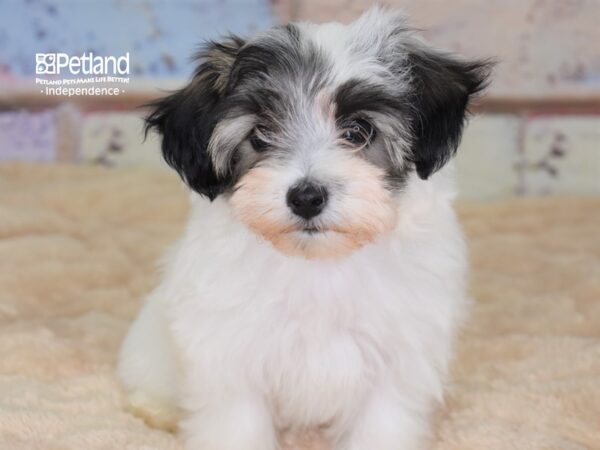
[
  {"x": 441, "y": 89},
  {"x": 360, "y": 95},
  {"x": 356, "y": 97},
  {"x": 187, "y": 118}
]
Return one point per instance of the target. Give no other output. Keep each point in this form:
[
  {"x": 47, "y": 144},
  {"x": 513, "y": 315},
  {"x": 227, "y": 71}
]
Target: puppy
[{"x": 320, "y": 280}]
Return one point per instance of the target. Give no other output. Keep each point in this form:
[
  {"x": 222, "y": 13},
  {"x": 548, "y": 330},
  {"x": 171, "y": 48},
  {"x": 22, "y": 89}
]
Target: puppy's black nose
[{"x": 307, "y": 199}]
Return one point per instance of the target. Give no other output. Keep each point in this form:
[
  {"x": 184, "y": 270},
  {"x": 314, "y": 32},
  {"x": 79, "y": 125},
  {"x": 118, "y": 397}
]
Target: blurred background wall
[{"x": 537, "y": 131}]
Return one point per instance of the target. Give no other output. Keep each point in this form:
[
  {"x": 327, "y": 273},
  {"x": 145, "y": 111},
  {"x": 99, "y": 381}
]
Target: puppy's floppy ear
[
  {"x": 186, "y": 119},
  {"x": 442, "y": 86}
]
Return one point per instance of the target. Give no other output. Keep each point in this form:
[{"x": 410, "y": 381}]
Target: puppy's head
[{"x": 310, "y": 131}]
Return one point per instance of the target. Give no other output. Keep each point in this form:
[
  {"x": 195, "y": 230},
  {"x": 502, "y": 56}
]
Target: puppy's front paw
[
  {"x": 236, "y": 423},
  {"x": 155, "y": 412}
]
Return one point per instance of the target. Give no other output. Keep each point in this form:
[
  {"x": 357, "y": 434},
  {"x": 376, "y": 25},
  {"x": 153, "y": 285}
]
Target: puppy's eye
[
  {"x": 257, "y": 140},
  {"x": 358, "y": 132}
]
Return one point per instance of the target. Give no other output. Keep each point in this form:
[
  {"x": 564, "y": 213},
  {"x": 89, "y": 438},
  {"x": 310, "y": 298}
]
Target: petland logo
[
  {"x": 87, "y": 69},
  {"x": 86, "y": 64}
]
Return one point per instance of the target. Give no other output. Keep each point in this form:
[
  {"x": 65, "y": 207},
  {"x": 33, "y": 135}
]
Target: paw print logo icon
[{"x": 45, "y": 63}]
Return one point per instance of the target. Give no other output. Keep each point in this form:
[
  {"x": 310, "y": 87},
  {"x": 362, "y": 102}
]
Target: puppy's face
[{"x": 311, "y": 131}]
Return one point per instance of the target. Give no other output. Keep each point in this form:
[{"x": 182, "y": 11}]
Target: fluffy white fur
[{"x": 275, "y": 342}]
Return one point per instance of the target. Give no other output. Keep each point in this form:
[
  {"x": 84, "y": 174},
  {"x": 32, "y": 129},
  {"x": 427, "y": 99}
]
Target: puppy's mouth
[
  {"x": 312, "y": 230},
  {"x": 309, "y": 229}
]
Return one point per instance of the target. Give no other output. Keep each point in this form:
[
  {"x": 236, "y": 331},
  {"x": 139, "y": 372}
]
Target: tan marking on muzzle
[{"x": 363, "y": 211}]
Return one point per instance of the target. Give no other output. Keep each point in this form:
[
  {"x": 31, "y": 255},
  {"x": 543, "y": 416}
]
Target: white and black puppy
[{"x": 320, "y": 279}]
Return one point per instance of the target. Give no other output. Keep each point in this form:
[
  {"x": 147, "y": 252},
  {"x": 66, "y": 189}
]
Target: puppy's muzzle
[{"x": 307, "y": 199}]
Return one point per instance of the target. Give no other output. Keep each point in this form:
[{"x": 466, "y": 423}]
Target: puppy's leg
[
  {"x": 148, "y": 366},
  {"x": 228, "y": 422},
  {"x": 384, "y": 424}
]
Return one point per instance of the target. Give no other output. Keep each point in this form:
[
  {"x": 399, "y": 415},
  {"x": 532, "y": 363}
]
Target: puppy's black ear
[
  {"x": 442, "y": 87},
  {"x": 186, "y": 119}
]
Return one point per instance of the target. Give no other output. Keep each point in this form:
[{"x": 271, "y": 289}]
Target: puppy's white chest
[
  {"x": 317, "y": 372},
  {"x": 313, "y": 339}
]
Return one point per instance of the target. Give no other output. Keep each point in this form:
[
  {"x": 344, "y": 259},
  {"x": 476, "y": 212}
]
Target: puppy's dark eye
[
  {"x": 257, "y": 140},
  {"x": 358, "y": 132}
]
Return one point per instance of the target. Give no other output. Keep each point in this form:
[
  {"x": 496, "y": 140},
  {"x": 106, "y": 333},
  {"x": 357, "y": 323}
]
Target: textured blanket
[{"x": 78, "y": 251}]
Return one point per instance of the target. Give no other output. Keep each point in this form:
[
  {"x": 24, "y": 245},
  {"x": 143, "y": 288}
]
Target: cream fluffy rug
[{"x": 77, "y": 254}]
